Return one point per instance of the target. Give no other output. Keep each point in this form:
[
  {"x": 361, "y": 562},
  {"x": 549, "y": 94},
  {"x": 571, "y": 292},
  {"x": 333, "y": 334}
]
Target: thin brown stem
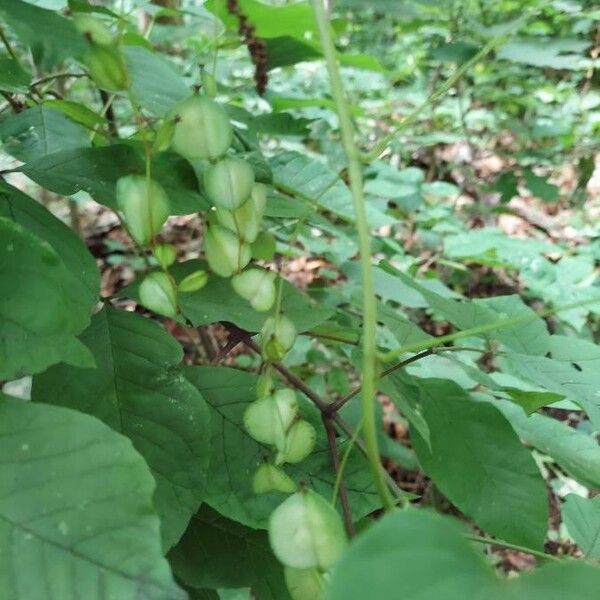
[
  {"x": 335, "y": 463},
  {"x": 232, "y": 342},
  {"x": 321, "y": 404}
]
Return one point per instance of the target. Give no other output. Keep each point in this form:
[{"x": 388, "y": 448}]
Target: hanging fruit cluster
[{"x": 305, "y": 531}]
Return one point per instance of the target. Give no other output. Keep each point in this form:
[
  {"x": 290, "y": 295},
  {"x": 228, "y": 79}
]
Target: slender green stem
[
  {"x": 339, "y": 476},
  {"x": 369, "y": 363},
  {"x": 8, "y": 46},
  {"x": 491, "y": 45},
  {"x": 523, "y": 318},
  {"x": 485, "y": 540}
]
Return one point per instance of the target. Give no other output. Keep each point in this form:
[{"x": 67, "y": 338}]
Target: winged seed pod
[
  {"x": 306, "y": 532},
  {"x": 299, "y": 442},
  {"x": 246, "y": 219},
  {"x": 268, "y": 419},
  {"x": 145, "y": 207},
  {"x": 158, "y": 294},
  {"x": 225, "y": 252},
  {"x": 304, "y": 584},
  {"x": 94, "y": 29},
  {"x": 193, "y": 282},
  {"x": 277, "y": 336},
  {"x": 268, "y": 478},
  {"x": 228, "y": 183},
  {"x": 202, "y": 128},
  {"x": 165, "y": 254},
  {"x": 257, "y": 286},
  {"x": 107, "y": 67}
]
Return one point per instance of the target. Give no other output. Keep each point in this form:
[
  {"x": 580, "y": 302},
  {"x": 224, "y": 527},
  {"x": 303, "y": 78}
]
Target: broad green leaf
[
  {"x": 32, "y": 216},
  {"x": 573, "y": 371},
  {"x": 78, "y": 112},
  {"x": 39, "y": 131},
  {"x": 40, "y": 313},
  {"x": 540, "y": 187},
  {"x": 582, "y": 518},
  {"x": 555, "y": 53},
  {"x": 216, "y": 301},
  {"x": 218, "y": 553},
  {"x": 13, "y": 77},
  {"x": 300, "y": 175},
  {"x": 287, "y": 50},
  {"x": 136, "y": 391},
  {"x": 478, "y": 462},
  {"x": 270, "y": 21},
  {"x": 76, "y": 515},
  {"x": 424, "y": 556},
  {"x": 280, "y": 123},
  {"x": 576, "y": 452},
  {"x": 52, "y": 38},
  {"x": 490, "y": 243},
  {"x": 235, "y": 455},
  {"x": 529, "y": 337},
  {"x": 155, "y": 83},
  {"x": 96, "y": 170}
]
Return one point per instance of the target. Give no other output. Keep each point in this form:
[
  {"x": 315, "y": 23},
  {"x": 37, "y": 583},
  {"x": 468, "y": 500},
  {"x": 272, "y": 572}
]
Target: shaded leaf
[
  {"x": 478, "y": 462},
  {"x": 135, "y": 390},
  {"x": 75, "y": 510}
]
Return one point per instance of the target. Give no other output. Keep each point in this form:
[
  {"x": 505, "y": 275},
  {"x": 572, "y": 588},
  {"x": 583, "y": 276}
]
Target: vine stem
[
  {"x": 485, "y": 540},
  {"x": 369, "y": 347}
]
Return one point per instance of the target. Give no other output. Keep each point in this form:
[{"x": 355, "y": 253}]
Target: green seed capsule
[
  {"x": 144, "y": 207},
  {"x": 202, "y": 128},
  {"x": 246, "y": 219},
  {"x": 264, "y": 246},
  {"x": 94, "y": 29},
  {"x": 299, "y": 442},
  {"x": 228, "y": 183},
  {"x": 225, "y": 253},
  {"x": 209, "y": 84},
  {"x": 165, "y": 254},
  {"x": 304, "y": 584},
  {"x": 193, "y": 282},
  {"x": 158, "y": 293},
  {"x": 306, "y": 532},
  {"x": 264, "y": 385},
  {"x": 164, "y": 136},
  {"x": 277, "y": 337},
  {"x": 268, "y": 478},
  {"x": 257, "y": 286},
  {"x": 268, "y": 419},
  {"x": 107, "y": 67}
]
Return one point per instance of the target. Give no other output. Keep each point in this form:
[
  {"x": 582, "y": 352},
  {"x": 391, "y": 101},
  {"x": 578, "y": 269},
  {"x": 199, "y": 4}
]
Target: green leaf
[
  {"x": 311, "y": 180},
  {"x": 576, "y": 452},
  {"x": 217, "y": 302},
  {"x": 424, "y": 556},
  {"x": 235, "y": 455},
  {"x": 582, "y": 518},
  {"x": 532, "y": 401},
  {"x": 506, "y": 183},
  {"x": 52, "y": 38},
  {"x": 96, "y": 171},
  {"x": 13, "y": 77},
  {"x": 540, "y": 187},
  {"x": 286, "y": 50},
  {"x": 78, "y": 112},
  {"x": 76, "y": 515},
  {"x": 478, "y": 462},
  {"x": 155, "y": 83},
  {"x": 555, "y": 53},
  {"x": 573, "y": 372},
  {"x": 136, "y": 391},
  {"x": 32, "y": 216},
  {"x": 218, "y": 553},
  {"x": 270, "y": 21},
  {"x": 529, "y": 337},
  {"x": 39, "y": 131},
  {"x": 280, "y": 123},
  {"x": 40, "y": 314}
]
